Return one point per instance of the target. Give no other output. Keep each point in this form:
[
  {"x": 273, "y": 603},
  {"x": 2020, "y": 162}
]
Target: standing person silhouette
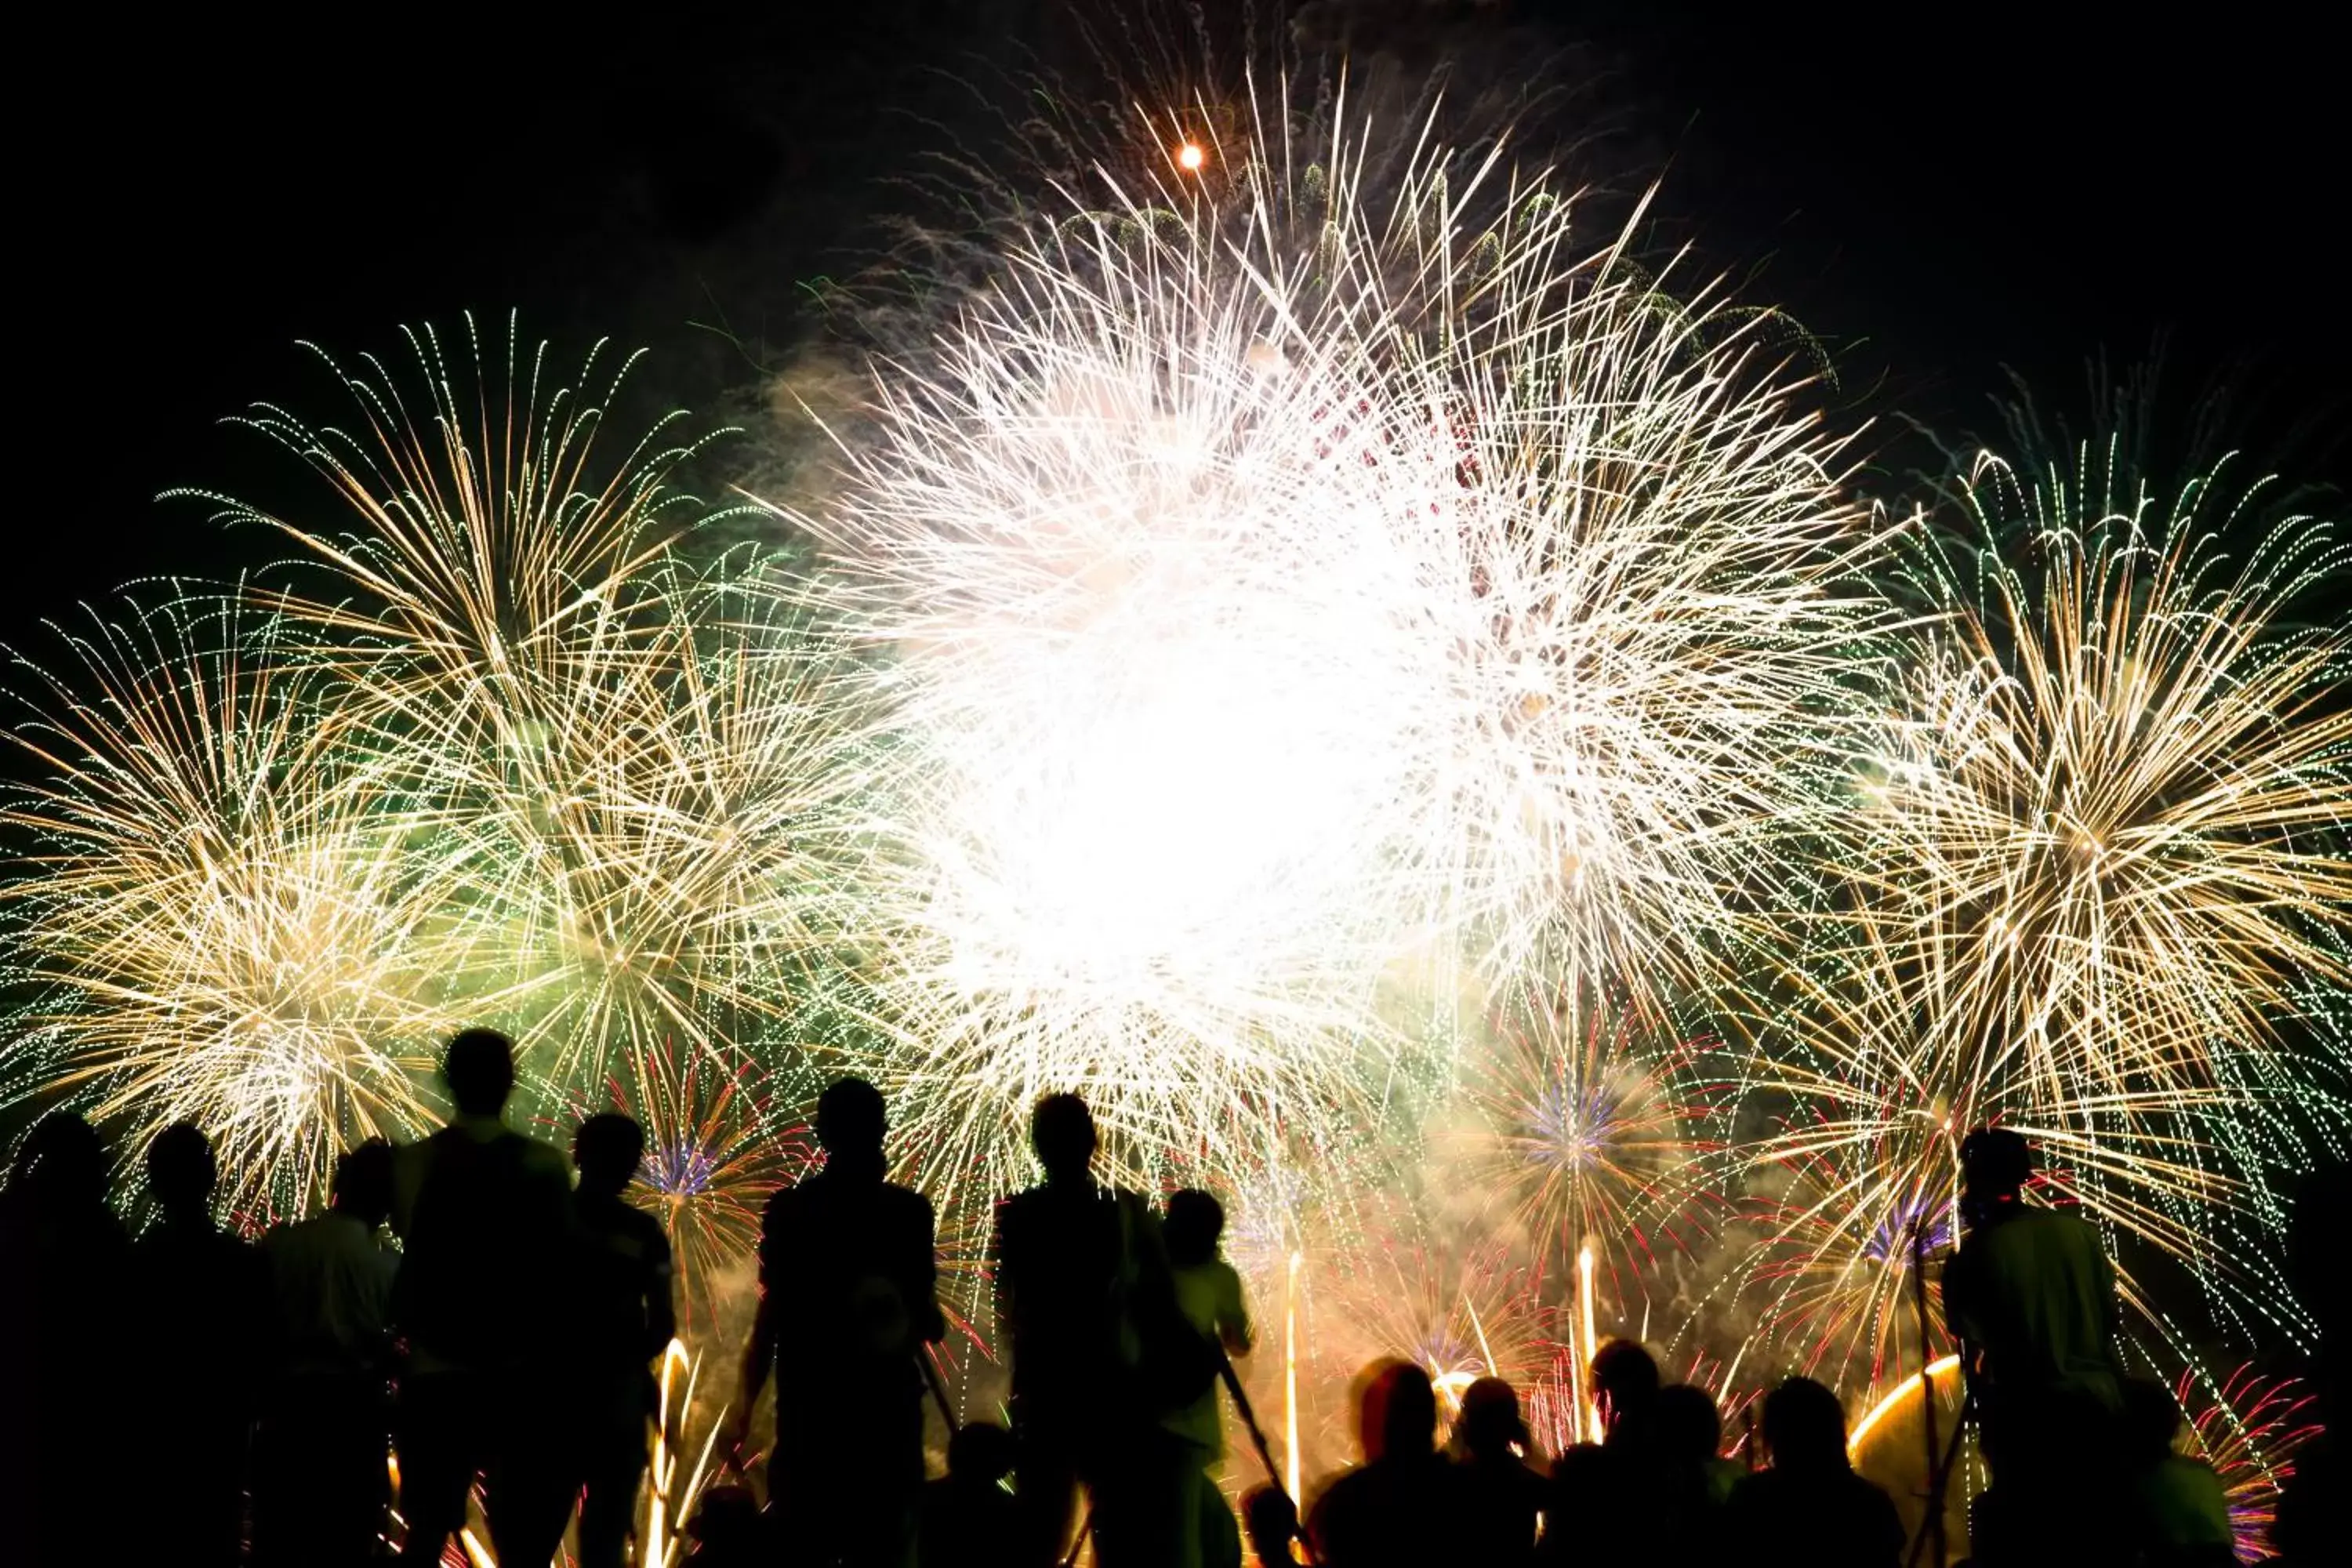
[
  {"x": 1503, "y": 1495},
  {"x": 1403, "y": 1506},
  {"x": 2033, "y": 1298},
  {"x": 65, "y": 1277},
  {"x": 1607, "y": 1498},
  {"x": 1810, "y": 1509},
  {"x": 1209, "y": 1291},
  {"x": 848, "y": 1269},
  {"x": 486, "y": 1215},
  {"x": 198, "y": 1304},
  {"x": 320, "y": 1486},
  {"x": 626, "y": 1318},
  {"x": 1081, "y": 1275}
]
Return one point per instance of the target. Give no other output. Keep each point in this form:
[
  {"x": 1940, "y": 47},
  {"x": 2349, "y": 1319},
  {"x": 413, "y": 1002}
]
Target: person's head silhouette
[
  {"x": 607, "y": 1149},
  {"x": 1195, "y": 1220},
  {"x": 850, "y": 1118},
  {"x": 181, "y": 1171},
  {"x": 1409, "y": 1416},
  {"x": 1062, "y": 1131},
  {"x": 1624, "y": 1386},
  {"x": 362, "y": 1185},
  {"x": 1804, "y": 1426},
  {"x": 480, "y": 1071},
  {"x": 62, "y": 1160},
  {"x": 1689, "y": 1426},
  {"x": 1995, "y": 1164},
  {"x": 1270, "y": 1520},
  {"x": 1490, "y": 1425}
]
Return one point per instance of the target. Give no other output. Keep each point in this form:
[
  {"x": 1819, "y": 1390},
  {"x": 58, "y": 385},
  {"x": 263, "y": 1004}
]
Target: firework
[
  {"x": 1592, "y": 1134},
  {"x": 718, "y": 1145},
  {"x": 217, "y": 922},
  {"x": 2116, "y": 788},
  {"x": 2093, "y": 860},
  {"x": 643, "y": 767},
  {"x": 2248, "y": 1430},
  {"x": 1302, "y": 600}
]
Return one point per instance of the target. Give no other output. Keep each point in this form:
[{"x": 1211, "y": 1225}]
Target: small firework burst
[
  {"x": 718, "y": 1143},
  {"x": 2249, "y": 1429},
  {"x": 1592, "y": 1132}
]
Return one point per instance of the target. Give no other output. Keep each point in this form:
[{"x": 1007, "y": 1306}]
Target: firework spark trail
[
  {"x": 2249, "y": 1428},
  {"x": 220, "y": 924},
  {"x": 1298, "y": 596}
]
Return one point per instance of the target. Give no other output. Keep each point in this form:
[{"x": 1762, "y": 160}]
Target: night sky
[{"x": 1939, "y": 192}]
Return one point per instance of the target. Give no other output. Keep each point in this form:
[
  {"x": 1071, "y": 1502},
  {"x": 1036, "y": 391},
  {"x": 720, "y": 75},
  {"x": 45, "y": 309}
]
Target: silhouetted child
[
  {"x": 1404, "y": 1505},
  {"x": 1270, "y": 1520},
  {"x": 199, "y": 1305},
  {"x": 320, "y": 1485},
  {"x": 1810, "y": 1509},
  {"x": 625, "y": 1320},
  {"x": 1209, "y": 1292},
  {"x": 1503, "y": 1495},
  {"x": 1605, "y": 1498},
  {"x": 1690, "y": 1433},
  {"x": 2179, "y": 1513},
  {"x": 1695, "y": 1480},
  {"x": 970, "y": 1519}
]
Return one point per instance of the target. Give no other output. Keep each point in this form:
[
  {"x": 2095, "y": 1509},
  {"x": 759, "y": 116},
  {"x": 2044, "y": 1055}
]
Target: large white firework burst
[{"x": 1305, "y": 596}]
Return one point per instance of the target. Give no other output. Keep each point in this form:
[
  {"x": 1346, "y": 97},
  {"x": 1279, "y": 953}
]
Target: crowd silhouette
[{"x": 312, "y": 1399}]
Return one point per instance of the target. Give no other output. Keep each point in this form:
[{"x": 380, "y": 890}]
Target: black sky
[{"x": 1938, "y": 191}]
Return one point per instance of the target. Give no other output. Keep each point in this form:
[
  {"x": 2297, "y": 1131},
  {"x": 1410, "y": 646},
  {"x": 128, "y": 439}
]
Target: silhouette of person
[
  {"x": 65, "y": 1277},
  {"x": 1209, "y": 1292},
  {"x": 1404, "y": 1504},
  {"x": 1080, "y": 1269},
  {"x": 848, "y": 1266},
  {"x": 1810, "y": 1509},
  {"x": 1608, "y": 1500},
  {"x": 970, "y": 1521},
  {"x": 2179, "y": 1511},
  {"x": 1270, "y": 1520},
  {"x": 2033, "y": 1298},
  {"x": 1692, "y": 1480},
  {"x": 319, "y": 1483},
  {"x": 486, "y": 1215},
  {"x": 1690, "y": 1443},
  {"x": 625, "y": 1320},
  {"x": 196, "y": 1290},
  {"x": 1503, "y": 1496}
]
